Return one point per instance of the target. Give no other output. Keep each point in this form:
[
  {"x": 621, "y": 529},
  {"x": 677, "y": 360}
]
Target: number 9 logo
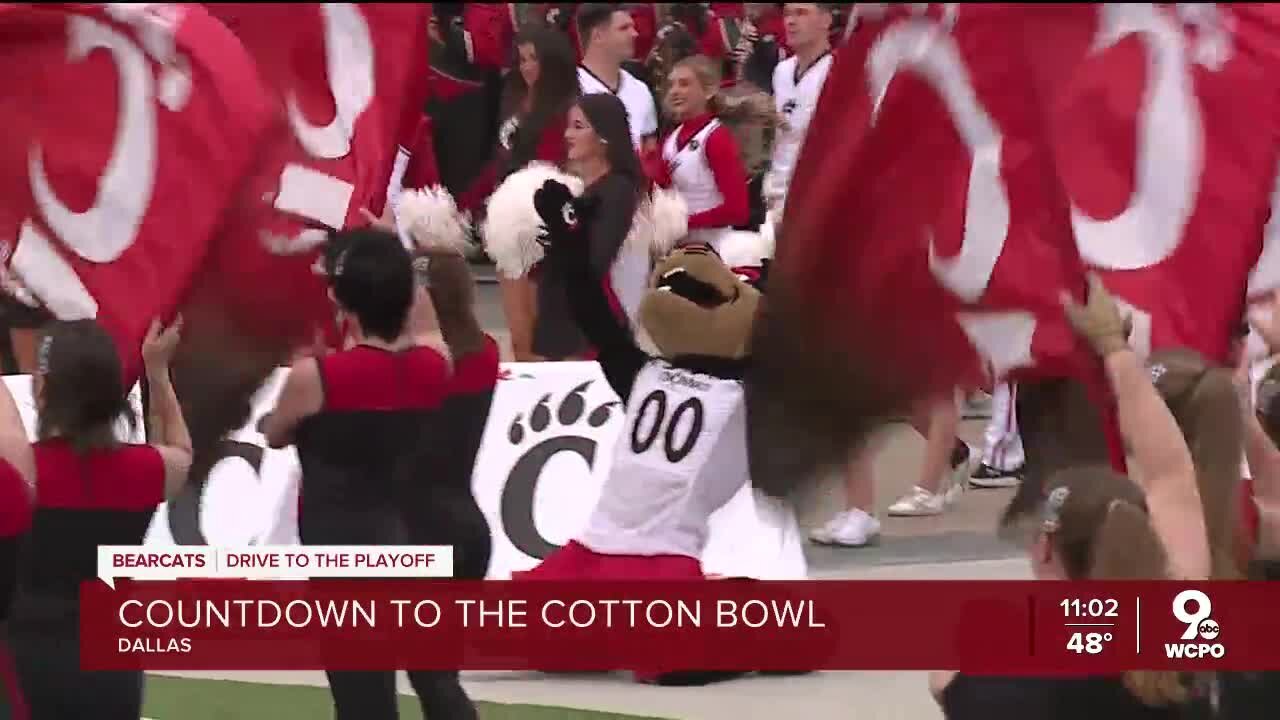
[{"x": 1192, "y": 619}]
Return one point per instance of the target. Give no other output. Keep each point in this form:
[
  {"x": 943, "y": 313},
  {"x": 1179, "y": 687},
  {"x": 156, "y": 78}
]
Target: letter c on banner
[
  {"x": 104, "y": 231},
  {"x": 349, "y": 64},
  {"x": 522, "y": 483},
  {"x": 1170, "y": 147},
  {"x": 926, "y": 48}
]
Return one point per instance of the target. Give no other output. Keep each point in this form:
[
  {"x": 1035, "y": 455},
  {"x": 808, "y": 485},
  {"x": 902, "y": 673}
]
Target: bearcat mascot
[{"x": 681, "y": 454}]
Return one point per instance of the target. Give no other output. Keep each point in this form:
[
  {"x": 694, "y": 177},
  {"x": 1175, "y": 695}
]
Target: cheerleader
[
  {"x": 536, "y": 104},
  {"x": 91, "y": 490},
  {"x": 600, "y": 150},
  {"x": 797, "y": 85},
  {"x": 700, "y": 158},
  {"x": 370, "y": 421}
]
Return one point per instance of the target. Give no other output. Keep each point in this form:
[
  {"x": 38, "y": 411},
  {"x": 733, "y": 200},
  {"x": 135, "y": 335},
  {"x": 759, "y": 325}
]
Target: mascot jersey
[
  {"x": 682, "y": 452},
  {"x": 681, "y": 456}
]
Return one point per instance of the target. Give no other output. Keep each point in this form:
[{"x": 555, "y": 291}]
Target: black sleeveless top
[{"x": 388, "y": 458}]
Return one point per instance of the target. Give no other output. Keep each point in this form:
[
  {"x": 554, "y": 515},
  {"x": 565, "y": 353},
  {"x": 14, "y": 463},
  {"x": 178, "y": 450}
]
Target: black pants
[
  {"x": 54, "y": 686},
  {"x": 372, "y": 695}
]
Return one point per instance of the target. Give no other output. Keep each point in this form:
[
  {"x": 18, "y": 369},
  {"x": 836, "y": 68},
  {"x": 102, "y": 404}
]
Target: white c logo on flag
[
  {"x": 349, "y": 63},
  {"x": 924, "y": 46},
  {"x": 1170, "y": 153},
  {"x": 309, "y": 192},
  {"x": 104, "y": 231}
]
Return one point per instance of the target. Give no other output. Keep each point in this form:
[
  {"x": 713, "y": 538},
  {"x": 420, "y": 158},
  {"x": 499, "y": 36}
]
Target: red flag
[
  {"x": 128, "y": 130},
  {"x": 1163, "y": 127},
  {"x": 348, "y": 83},
  {"x": 924, "y": 241},
  {"x": 1142, "y": 137},
  {"x": 351, "y": 81}
]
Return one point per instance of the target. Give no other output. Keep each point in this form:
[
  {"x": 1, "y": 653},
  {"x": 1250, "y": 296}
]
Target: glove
[
  {"x": 564, "y": 217},
  {"x": 1099, "y": 320}
]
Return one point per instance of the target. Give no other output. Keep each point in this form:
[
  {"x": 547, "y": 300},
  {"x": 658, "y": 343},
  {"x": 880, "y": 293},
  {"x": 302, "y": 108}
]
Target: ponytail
[{"x": 1126, "y": 548}]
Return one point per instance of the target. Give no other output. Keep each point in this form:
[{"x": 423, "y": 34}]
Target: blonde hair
[
  {"x": 750, "y": 117},
  {"x": 705, "y": 71}
]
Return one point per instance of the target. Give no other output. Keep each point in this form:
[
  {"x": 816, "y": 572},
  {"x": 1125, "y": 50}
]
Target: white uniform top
[
  {"x": 682, "y": 455},
  {"x": 796, "y": 99},
  {"x": 692, "y": 177},
  {"x": 642, "y": 114}
]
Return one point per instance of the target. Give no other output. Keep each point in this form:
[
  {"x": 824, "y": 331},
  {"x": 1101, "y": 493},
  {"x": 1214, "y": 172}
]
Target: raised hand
[
  {"x": 1098, "y": 321},
  {"x": 160, "y": 343}
]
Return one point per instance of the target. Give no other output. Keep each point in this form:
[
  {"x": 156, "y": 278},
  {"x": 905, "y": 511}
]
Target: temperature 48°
[{"x": 1090, "y": 643}]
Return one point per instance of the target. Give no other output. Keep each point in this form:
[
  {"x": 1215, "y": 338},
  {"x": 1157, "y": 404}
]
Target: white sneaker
[
  {"x": 827, "y": 531},
  {"x": 919, "y": 502},
  {"x": 859, "y": 529}
]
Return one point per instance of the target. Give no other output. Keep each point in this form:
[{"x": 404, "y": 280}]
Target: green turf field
[{"x": 184, "y": 699}]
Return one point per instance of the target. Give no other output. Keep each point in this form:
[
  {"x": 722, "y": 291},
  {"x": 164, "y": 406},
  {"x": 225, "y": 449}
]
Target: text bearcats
[{"x": 157, "y": 560}]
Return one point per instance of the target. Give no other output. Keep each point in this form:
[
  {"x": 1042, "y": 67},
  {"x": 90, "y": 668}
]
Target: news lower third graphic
[
  {"x": 1202, "y": 629},
  {"x": 273, "y": 563},
  {"x": 369, "y": 608}
]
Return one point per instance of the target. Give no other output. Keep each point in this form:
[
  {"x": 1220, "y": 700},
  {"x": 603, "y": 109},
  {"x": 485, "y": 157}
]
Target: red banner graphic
[{"x": 979, "y": 627}]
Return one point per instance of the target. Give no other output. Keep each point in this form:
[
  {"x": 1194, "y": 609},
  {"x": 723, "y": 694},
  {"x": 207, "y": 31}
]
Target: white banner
[{"x": 544, "y": 457}]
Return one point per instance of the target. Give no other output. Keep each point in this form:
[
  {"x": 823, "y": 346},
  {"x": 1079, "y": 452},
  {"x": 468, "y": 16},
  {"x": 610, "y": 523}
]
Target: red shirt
[
  {"x": 645, "y": 16},
  {"x": 489, "y": 31},
  {"x": 726, "y": 167},
  {"x": 551, "y": 148},
  {"x": 770, "y": 25},
  {"x": 101, "y": 497}
]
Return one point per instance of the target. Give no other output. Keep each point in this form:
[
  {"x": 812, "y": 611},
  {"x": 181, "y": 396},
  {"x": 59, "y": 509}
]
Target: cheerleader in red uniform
[
  {"x": 387, "y": 429},
  {"x": 536, "y": 104},
  {"x": 91, "y": 489},
  {"x": 700, "y": 158}
]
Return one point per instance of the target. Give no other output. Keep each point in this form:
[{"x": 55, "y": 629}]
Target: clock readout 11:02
[{"x": 1094, "y": 608}]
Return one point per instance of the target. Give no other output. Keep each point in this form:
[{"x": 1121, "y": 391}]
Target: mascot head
[{"x": 695, "y": 305}]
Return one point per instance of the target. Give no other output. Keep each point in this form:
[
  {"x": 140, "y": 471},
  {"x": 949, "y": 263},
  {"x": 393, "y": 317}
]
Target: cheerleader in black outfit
[
  {"x": 387, "y": 431},
  {"x": 91, "y": 489}
]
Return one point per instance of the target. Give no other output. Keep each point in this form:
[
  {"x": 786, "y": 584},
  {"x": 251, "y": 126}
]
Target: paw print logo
[{"x": 541, "y": 434}]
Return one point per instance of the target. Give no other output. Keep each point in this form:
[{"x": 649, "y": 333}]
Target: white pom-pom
[
  {"x": 640, "y": 236},
  {"x": 432, "y": 220},
  {"x": 669, "y": 217},
  {"x": 511, "y": 226},
  {"x": 741, "y": 248}
]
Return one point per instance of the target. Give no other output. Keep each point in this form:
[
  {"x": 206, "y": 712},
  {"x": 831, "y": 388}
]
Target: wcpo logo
[{"x": 1201, "y": 630}]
